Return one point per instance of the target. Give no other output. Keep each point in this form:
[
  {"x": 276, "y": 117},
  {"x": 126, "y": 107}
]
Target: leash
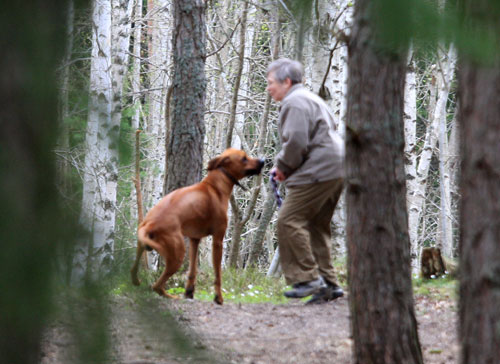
[
  {"x": 234, "y": 180},
  {"x": 273, "y": 267},
  {"x": 276, "y": 191}
]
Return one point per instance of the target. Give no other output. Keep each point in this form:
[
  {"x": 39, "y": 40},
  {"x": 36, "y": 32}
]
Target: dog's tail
[
  {"x": 146, "y": 238},
  {"x": 144, "y": 241}
]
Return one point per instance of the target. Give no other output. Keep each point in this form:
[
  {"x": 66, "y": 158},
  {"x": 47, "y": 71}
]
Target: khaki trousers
[{"x": 304, "y": 234}]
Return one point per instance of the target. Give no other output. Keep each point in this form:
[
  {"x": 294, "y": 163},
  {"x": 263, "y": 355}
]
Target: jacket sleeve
[{"x": 295, "y": 139}]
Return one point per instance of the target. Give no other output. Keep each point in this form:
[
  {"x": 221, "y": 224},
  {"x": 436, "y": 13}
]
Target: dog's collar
[{"x": 231, "y": 177}]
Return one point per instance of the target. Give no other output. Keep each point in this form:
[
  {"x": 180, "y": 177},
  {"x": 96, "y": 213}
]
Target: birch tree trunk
[
  {"x": 331, "y": 84},
  {"x": 380, "y": 298},
  {"x": 437, "y": 110},
  {"x": 103, "y": 126},
  {"x": 410, "y": 120},
  {"x": 159, "y": 55},
  {"x": 94, "y": 202},
  {"x": 445, "y": 218},
  {"x": 136, "y": 65}
]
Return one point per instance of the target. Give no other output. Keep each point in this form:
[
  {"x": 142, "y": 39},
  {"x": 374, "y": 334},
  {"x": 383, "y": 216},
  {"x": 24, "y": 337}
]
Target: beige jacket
[{"x": 312, "y": 150}]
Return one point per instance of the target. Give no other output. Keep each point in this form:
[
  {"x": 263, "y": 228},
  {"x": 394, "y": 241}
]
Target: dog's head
[{"x": 237, "y": 163}]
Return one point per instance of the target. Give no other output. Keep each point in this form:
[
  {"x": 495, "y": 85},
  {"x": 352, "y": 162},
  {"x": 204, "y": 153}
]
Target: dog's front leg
[
  {"x": 193, "y": 264},
  {"x": 217, "y": 259}
]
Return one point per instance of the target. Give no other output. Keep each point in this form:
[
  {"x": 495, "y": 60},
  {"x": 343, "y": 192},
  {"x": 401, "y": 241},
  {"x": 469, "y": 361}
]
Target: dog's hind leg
[
  {"x": 217, "y": 259},
  {"x": 193, "y": 265},
  {"x": 172, "y": 250}
]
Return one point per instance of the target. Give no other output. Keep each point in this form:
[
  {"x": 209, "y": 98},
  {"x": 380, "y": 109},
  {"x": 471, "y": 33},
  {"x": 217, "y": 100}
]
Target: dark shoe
[
  {"x": 305, "y": 289},
  {"x": 326, "y": 294}
]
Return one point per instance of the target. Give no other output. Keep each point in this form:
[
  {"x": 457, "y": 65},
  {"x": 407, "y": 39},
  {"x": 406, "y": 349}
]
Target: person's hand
[{"x": 279, "y": 176}]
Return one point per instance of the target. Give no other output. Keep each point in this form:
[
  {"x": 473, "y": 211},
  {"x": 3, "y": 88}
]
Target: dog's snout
[{"x": 262, "y": 162}]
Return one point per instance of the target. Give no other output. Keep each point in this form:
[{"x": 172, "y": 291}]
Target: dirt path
[{"x": 143, "y": 332}]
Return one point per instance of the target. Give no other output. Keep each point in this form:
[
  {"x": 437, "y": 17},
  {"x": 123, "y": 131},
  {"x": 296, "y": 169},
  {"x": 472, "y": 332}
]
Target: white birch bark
[
  {"x": 111, "y": 25},
  {"x": 136, "y": 65},
  {"x": 437, "y": 110},
  {"x": 410, "y": 119},
  {"x": 329, "y": 17},
  {"x": 446, "y": 234},
  {"x": 95, "y": 181},
  {"x": 160, "y": 19}
]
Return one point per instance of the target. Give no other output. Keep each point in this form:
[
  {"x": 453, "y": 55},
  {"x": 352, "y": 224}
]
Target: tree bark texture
[
  {"x": 381, "y": 298},
  {"x": 185, "y": 147},
  {"x": 479, "y": 117},
  {"x": 410, "y": 120},
  {"x": 100, "y": 172},
  {"x": 159, "y": 55}
]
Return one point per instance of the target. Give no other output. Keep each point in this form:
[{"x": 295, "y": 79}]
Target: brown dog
[{"x": 194, "y": 212}]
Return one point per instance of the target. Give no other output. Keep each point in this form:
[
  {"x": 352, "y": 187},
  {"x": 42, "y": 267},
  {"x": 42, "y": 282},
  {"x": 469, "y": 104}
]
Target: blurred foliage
[
  {"x": 34, "y": 227},
  {"x": 472, "y": 26}
]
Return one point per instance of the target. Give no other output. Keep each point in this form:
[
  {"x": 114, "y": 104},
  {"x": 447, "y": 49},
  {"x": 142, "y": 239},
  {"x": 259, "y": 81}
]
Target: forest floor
[{"x": 145, "y": 329}]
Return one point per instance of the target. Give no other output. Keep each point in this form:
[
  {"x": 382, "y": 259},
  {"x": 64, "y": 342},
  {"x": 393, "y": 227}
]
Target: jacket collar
[{"x": 292, "y": 89}]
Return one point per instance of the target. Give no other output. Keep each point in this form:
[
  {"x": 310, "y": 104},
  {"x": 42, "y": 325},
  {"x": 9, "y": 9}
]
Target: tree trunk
[
  {"x": 34, "y": 226},
  {"x": 439, "y": 92},
  {"x": 159, "y": 56},
  {"x": 302, "y": 12},
  {"x": 328, "y": 57},
  {"x": 237, "y": 220},
  {"x": 445, "y": 219},
  {"x": 185, "y": 145},
  {"x": 97, "y": 251},
  {"x": 111, "y": 35},
  {"x": 431, "y": 263},
  {"x": 410, "y": 120},
  {"x": 259, "y": 236},
  {"x": 63, "y": 139},
  {"x": 136, "y": 65},
  {"x": 239, "y": 70},
  {"x": 381, "y": 297},
  {"x": 479, "y": 117}
]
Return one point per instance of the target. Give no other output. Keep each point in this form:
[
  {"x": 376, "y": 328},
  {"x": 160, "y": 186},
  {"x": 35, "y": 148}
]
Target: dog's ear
[
  {"x": 213, "y": 163},
  {"x": 216, "y": 163}
]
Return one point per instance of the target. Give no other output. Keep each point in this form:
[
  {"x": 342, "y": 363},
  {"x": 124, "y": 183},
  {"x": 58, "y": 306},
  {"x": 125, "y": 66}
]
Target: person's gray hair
[{"x": 284, "y": 68}]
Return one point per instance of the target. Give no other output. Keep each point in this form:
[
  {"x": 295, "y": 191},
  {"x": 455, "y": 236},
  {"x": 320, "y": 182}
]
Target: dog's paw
[
  {"x": 218, "y": 299},
  {"x": 136, "y": 282},
  {"x": 189, "y": 294}
]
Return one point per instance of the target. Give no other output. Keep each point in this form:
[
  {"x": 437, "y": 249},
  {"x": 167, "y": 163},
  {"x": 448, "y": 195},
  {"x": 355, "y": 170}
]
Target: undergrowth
[
  {"x": 440, "y": 288},
  {"x": 253, "y": 286},
  {"x": 238, "y": 286}
]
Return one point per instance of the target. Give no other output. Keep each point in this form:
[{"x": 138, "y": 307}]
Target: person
[{"x": 311, "y": 165}]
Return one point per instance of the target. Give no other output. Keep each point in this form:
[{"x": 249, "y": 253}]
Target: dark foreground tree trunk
[
  {"x": 33, "y": 225},
  {"x": 185, "y": 147},
  {"x": 479, "y": 117},
  {"x": 480, "y": 215},
  {"x": 381, "y": 297}
]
